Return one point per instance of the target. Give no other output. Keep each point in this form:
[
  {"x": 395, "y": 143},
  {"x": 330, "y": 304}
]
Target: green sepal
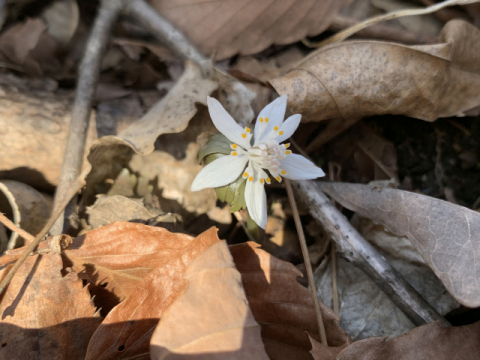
[{"x": 234, "y": 193}]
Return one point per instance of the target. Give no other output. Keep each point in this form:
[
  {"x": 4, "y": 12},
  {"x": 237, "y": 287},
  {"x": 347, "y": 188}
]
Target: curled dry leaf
[
  {"x": 43, "y": 314},
  {"x": 211, "y": 319},
  {"x": 248, "y": 27},
  {"x": 429, "y": 342},
  {"x": 445, "y": 234},
  {"x": 284, "y": 308},
  {"x": 116, "y": 257},
  {"x": 355, "y": 79},
  {"x": 127, "y": 329}
]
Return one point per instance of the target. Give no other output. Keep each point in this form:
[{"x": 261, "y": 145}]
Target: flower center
[{"x": 268, "y": 155}]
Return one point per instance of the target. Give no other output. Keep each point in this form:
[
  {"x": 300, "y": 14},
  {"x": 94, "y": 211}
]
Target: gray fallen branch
[
  {"x": 362, "y": 254},
  {"x": 167, "y": 33},
  {"x": 82, "y": 107}
]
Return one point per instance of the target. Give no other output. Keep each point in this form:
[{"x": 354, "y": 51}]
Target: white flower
[{"x": 266, "y": 153}]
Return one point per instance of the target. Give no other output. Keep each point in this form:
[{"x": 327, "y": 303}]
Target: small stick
[
  {"x": 82, "y": 107},
  {"x": 9, "y": 224},
  {"x": 167, "y": 33},
  {"x": 71, "y": 192},
  {"x": 336, "y": 307},
  {"x": 364, "y": 256},
  {"x": 342, "y": 35},
  {"x": 308, "y": 265}
]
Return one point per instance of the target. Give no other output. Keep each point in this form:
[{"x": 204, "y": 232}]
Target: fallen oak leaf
[
  {"x": 44, "y": 314},
  {"x": 211, "y": 319},
  {"x": 445, "y": 234},
  {"x": 116, "y": 257},
  {"x": 127, "y": 329},
  {"x": 355, "y": 79},
  {"x": 427, "y": 342},
  {"x": 284, "y": 308}
]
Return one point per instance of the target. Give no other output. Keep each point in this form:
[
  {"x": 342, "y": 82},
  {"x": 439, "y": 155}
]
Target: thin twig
[
  {"x": 308, "y": 264},
  {"x": 167, "y": 33},
  {"x": 336, "y": 307},
  {"x": 363, "y": 255},
  {"x": 389, "y": 16},
  {"x": 71, "y": 192},
  {"x": 87, "y": 83},
  {"x": 9, "y": 224}
]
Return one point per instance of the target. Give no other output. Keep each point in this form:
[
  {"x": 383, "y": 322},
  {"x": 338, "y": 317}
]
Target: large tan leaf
[
  {"x": 114, "y": 258},
  {"x": 212, "y": 319},
  {"x": 427, "y": 342},
  {"x": 446, "y": 235},
  {"x": 283, "y": 307},
  {"x": 355, "y": 79},
  {"x": 228, "y": 27},
  {"x": 43, "y": 314},
  {"x": 127, "y": 329}
]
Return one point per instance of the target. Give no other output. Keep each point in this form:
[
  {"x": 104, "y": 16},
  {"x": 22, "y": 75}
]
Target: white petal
[
  {"x": 289, "y": 127},
  {"x": 220, "y": 172},
  {"x": 256, "y": 200},
  {"x": 275, "y": 112},
  {"x": 299, "y": 168},
  {"x": 225, "y": 123}
]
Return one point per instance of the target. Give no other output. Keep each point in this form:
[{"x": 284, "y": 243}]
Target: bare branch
[{"x": 363, "y": 255}]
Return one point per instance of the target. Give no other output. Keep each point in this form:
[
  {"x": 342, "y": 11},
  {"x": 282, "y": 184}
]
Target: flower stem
[{"x": 308, "y": 264}]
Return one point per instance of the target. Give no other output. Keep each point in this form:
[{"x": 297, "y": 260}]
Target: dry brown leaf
[
  {"x": 283, "y": 307},
  {"x": 229, "y": 27},
  {"x": 45, "y": 315},
  {"x": 427, "y": 342},
  {"x": 211, "y": 320},
  {"x": 114, "y": 258},
  {"x": 127, "y": 329},
  {"x": 445, "y": 234},
  {"x": 356, "y": 79}
]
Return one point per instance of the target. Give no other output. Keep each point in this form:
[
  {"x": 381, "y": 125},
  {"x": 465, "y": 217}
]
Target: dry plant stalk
[
  {"x": 71, "y": 192},
  {"x": 342, "y": 35},
  {"x": 6, "y": 221},
  {"x": 308, "y": 264},
  {"x": 334, "y": 170}
]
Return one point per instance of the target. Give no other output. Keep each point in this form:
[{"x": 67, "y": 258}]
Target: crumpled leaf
[
  {"x": 365, "y": 311},
  {"x": 116, "y": 257},
  {"x": 211, "y": 319},
  {"x": 429, "y": 342},
  {"x": 445, "y": 234},
  {"x": 356, "y": 79},
  {"x": 284, "y": 308},
  {"x": 127, "y": 329},
  {"x": 45, "y": 315},
  {"x": 234, "y": 194},
  {"x": 241, "y": 26}
]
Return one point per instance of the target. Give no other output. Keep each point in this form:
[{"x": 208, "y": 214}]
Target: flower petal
[
  {"x": 256, "y": 200},
  {"x": 275, "y": 112},
  {"x": 299, "y": 168},
  {"x": 288, "y": 127},
  {"x": 220, "y": 172},
  {"x": 226, "y": 124}
]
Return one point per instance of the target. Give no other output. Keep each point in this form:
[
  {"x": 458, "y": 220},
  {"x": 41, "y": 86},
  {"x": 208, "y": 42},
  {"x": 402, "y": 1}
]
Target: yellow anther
[
  {"x": 262, "y": 181},
  {"x": 234, "y": 153},
  {"x": 287, "y": 146},
  {"x": 244, "y": 135},
  {"x": 247, "y": 129},
  {"x": 245, "y": 174},
  {"x": 275, "y": 128},
  {"x": 280, "y": 133},
  {"x": 234, "y": 146},
  {"x": 261, "y": 119},
  {"x": 288, "y": 152},
  {"x": 278, "y": 178},
  {"x": 266, "y": 119},
  {"x": 283, "y": 172},
  {"x": 269, "y": 181},
  {"x": 250, "y": 178}
]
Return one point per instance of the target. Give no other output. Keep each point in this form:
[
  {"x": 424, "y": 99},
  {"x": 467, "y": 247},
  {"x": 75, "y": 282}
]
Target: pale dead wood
[
  {"x": 363, "y": 255},
  {"x": 87, "y": 83},
  {"x": 308, "y": 264}
]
